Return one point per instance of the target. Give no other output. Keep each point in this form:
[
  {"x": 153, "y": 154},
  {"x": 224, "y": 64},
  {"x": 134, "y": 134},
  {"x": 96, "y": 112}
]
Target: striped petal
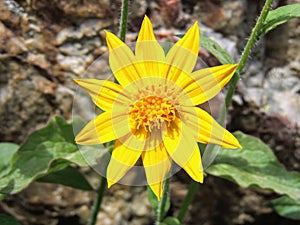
[
  {"x": 150, "y": 57},
  {"x": 104, "y": 128},
  {"x": 121, "y": 60},
  {"x": 147, "y": 48},
  {"x": 183, "y": 55},
  {"x": 104, "y": 93},
  {"x": 122, "y": 159},
  {"x": 184, "y": 150},
  {"x": 208, "y": 82},
  {"x": 206, "y": 129},
  {"x": 157, "y": 164}
]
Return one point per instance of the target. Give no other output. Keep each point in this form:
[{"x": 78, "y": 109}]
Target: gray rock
[{"x": 225, "y": 16}]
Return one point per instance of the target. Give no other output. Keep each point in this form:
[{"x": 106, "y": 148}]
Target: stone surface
[
  {"x": 226, "y": 16},
  {"x": 45, "y": 44},
  {"x": 40, "y": 53}
]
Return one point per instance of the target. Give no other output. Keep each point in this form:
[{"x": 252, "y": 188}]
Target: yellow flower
[{"x": 152, "y": 113}]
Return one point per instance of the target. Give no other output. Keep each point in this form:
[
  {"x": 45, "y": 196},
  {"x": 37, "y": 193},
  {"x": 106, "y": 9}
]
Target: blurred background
[{"x": 45, "y": 44}]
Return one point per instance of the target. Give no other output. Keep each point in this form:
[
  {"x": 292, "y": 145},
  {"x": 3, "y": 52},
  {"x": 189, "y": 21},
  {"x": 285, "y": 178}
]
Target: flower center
[{"x": 151, "y": 112}]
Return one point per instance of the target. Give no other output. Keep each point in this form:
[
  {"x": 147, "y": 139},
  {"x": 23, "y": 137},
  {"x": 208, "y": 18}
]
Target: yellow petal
[
  {"x": 102, "y": 129},
  {"x": 157, "y": 189},
  {"x": 207, "y": 82},
  {"x": 121, "y": 60},
  {"x": 206, "y": 129},
  {"x": 183, "y": 55},
  {"x": 104, "y": 93},
  {"x": 184, "y": 150},
  {"x": 157, "y": 164},
  {"x": 146, "y": 31},
  {"x": 122, "y": 159},
  {"x": 150, "y": 57},
  {"x": 195, "y": 162}
]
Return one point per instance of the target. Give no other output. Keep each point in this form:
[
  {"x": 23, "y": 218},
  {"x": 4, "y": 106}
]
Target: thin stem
[
  {"x": 187, "y": 201},
  {"x": 162, "y": 203},
  {"x": 253, "y": 38},
  {"x": 98, "y": 201},
  {"x": 123, "y": 19},
  {"x": 101, "y": 189}
]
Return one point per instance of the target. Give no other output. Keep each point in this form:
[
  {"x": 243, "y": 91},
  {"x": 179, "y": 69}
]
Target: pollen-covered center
[{"x": 151, "y": 112}]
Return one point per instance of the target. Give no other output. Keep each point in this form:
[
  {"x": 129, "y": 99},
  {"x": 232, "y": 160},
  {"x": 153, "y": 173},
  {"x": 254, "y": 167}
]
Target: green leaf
[
  {"x": 286, "y": 207},
  {"x": 7, "y": 220},
  {"x": 216, "y": 50},
  {"x": 154, "y": 202},
  {"x": 255, "y": 166},
  {"x": 171, "y": 221},
  {"x": 6, "y": 152},
  {"x": 49, "y": 149},
  {"x": 68, "y": 176},
  {"x": 279, "y": 16}
]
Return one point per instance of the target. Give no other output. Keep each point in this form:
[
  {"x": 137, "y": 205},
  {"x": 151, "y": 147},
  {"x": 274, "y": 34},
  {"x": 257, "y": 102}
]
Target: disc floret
[{"x": 151, "y": 112}]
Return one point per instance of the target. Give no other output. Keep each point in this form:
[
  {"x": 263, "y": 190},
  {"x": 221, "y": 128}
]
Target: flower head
[{"x": 152, "y": 113}]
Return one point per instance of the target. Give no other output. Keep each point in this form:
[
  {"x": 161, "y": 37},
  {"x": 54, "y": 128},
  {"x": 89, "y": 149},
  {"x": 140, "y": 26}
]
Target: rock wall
[{"x": 45, "y": 44}]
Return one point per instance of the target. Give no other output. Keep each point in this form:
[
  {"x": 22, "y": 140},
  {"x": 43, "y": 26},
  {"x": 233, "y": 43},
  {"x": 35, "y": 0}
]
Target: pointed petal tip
[
  {"x": 110, "y": 183},
  {"x": 77, "y": 139},
  {"x": 199, "y": 177},
  {"x": 146, "y": 22},
  {"x": 234, "y": 66},
  {"x": 77, "y": 81},
  {"x": 86, "y": 137},
  {"x": 239, "y": 145},
  {"x": 108, "y": 34},
  {"x": 157, "y": 189},
  {"x": 146, "y": 18},
  {"x": 146, "y": 32},
  {"x": 234, "y": 143},
  {"x": 158, "y": 193},
  {"x": 195, "y": 26},
  {"x": 112, "y": 40},
  {"x": 80, "y": 140},
  {"x": 158, "y": 198}
]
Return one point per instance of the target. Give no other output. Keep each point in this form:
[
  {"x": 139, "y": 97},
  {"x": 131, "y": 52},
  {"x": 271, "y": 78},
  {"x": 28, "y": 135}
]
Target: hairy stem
[
  {"x": 123, "y": 19},
  {"x": 252, "y": 39}
]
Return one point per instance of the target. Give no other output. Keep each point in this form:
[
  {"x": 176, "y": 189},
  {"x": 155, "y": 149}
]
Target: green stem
[
  {"x": 188, "y": 199},
  {"x": 162, "y": 203},
  {"x": 98, "y": 201},
  {"x": 123, "y": 20},
  {"x": 253, "y": 38}
]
